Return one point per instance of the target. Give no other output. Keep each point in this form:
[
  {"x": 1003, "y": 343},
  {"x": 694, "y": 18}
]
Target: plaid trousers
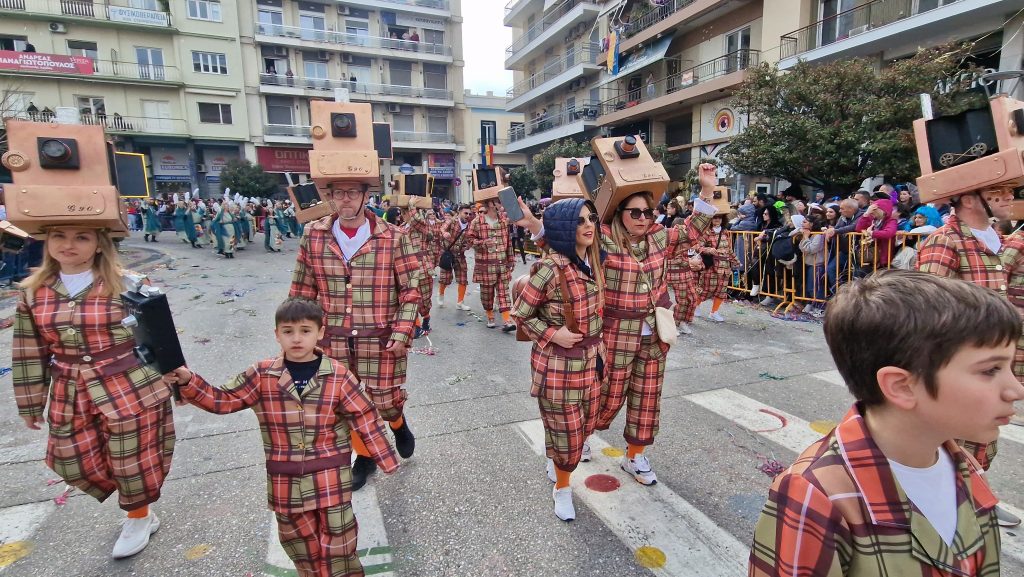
[
  {"x": 488, "y": 292},
  {"x": 99, "y": 456},
  {"x": 687, "y": 294},
  {"x": 378, "y": 371},
  {"x": 637, "y": 384},
  {"x": 321, "y": 542},
  {"x": 426, "y": 294},
  {"x": 569, "y": 420},
  {"x": 459, "y": 272}
]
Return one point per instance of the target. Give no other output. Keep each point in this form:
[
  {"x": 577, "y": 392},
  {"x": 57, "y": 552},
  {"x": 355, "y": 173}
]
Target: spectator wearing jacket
[{"x": 879, "y": 225}]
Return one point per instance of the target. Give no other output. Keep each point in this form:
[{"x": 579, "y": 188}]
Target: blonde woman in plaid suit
[
  {"x": 110, "y": 423},
  {"x": 492, "y": 267},
  {"x": 364, "y": 273},
  {"x": 566, "y": 361}
]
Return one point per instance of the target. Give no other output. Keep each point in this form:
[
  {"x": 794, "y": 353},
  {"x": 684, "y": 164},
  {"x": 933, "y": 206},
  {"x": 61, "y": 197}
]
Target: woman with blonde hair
[{"x": 109, "y": 416}]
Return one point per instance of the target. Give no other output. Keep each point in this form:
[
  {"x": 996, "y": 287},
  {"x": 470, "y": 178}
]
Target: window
[
  {"x": 279, "y": 110},
  {"x": 437, "y": 122},
  {"x": 209, "y": 62},
  {"x": 82, "y": 48},
  {"x": 313, "y": 27},
  {"x": 435, "y": 76},
  {"x": 270, "y": 22},
  {"x": 151, "y": 63},
  {"x": 400, "y": 72},
  {"x": 433, "y": 36},
  {"x": 16, "y": 43},
  {"x": 17, "y": 103},
  {"x": 737, "y": 47},
  {"x": 403, "y": 122},
  {"x": 204, "y": 10},
  {"x": 488, "y": 132},
  {"x": 144, "y": 5},
  {"x": 315, "y": 69},
  {"x": 92, "y": 109},
  {"x": 213, "y": 113},
  {"x": 357, "y": 31}
]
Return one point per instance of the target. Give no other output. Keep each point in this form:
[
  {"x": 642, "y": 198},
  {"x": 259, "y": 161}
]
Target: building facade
[
  {"x": 487, "y": 124},
  {"x": 164, "y": 77}
]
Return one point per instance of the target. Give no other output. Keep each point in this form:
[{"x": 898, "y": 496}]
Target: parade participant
[
  {"x": 423, "y": 232},
  {"x": 495, "y": 259},
  {"x": 887, "y": 491},
  {"x": 453, "y": 238},
  {"x": 715, "y": 249},
  {"x": 682, "y": 275},
  {"x": 364, "y": 273},
  {"x": 293, "y": 222},
  {"x": 282, "y": 220},
  {"x": 224, "y": 220},
  {"x": 197, "y": 212},
  {"x": 183, "y": 223},
  {"x": 110, "y": 423},
  {"x": 240, "y": 224},
  {"x": 270, "y": 229},
  {"x": 560, "y": 310},
  {"x": 152, "y": 227},
  {"x": 307, "y": 404}
]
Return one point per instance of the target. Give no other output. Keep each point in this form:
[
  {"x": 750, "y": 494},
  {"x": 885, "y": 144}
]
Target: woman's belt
[
  {"x": 625, "y": 314},
  {"x": 305, "y": 467},
  {"x": 98, "y": 356},
  {"x": 374, "y": 332},
  {"x": 577, "y": 352}
]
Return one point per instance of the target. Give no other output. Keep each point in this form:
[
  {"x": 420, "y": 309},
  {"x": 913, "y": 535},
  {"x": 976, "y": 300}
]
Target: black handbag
[
  {"x": 447, "y": 260},
  {"x": 709, "y": 259}
]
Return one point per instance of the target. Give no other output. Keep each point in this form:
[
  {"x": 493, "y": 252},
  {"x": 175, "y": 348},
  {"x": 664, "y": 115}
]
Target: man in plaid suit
[
  {"x": 888, "y": 492},
  {"x": 495, "y": 259},
  {"x": 453, "y": 234},
  {"x": 365, "y": 275},
  {"x": 423, "y": 232},
  {"x": 969, "y": 248}
]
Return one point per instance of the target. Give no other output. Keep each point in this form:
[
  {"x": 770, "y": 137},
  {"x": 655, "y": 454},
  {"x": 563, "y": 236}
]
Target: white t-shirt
[
  {"x": 933, "y": 491},
  {"x": 350, "y": 246},
  {"x": 76, "y": 283},
  {"x": 990, "y": 237}
]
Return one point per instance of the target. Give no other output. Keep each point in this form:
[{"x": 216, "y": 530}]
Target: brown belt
[
  {"x": 374, "y": 332},
  {"x": 577, "y": 352},
  {"x": 305, "y": 467},
  {"x": 98, "y": 356},
  {"x": 625, "y": 314}
]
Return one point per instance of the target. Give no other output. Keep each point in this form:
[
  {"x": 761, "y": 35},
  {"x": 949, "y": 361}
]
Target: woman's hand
[
  {"x": 565, "y": 338},
  {"x": 178, "y": 376},
  {"x": 33, "y": 421},
  {"x": 708, "y": 175},
  {"x": 529, "y": 222},
  {"x": 696, "y": 263}
]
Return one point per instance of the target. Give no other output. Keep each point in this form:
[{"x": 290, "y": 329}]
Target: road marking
[
  {"x": 831, "y": 376},
  {"x": 17, "y": 524},
  {"x": 372, "y": 545},
  {"x": 651, "y": 520}
]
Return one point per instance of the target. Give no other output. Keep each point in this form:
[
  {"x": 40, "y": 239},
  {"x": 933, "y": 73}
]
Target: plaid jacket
[
  {"x": 305, "y": 437},
  {"x": 49, "y": 322},
  {"x": 493, "y": 250},
  {"x": 376, "y": 292},
  {"x": 557, "y": 372},
  {"x": 425, "y": 238},
  {"x": 839, "y": 511},
  {"x": 1013, "y": 263}
]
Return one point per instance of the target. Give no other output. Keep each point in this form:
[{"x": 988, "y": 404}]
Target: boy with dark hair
[
  {"x": 306, "y": 404},
  {"x": 888, "y": 491}
]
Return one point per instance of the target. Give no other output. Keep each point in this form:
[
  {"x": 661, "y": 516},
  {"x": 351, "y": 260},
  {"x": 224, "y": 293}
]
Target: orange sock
[
  {"x": 561, "y": 478},
  {"x": 490, "y": 315},
  {"x": 462, "y": 292},
  {"x": 714, "y": 305},
  {"x": 634, "y": 450},
  {"x": 505, "y": 316},
  {"x": 440, "y": 289},
  {"x": 358, "y": 446},
  {"x": 140, "y": 513},
  {"x": 397, "y": 423}
]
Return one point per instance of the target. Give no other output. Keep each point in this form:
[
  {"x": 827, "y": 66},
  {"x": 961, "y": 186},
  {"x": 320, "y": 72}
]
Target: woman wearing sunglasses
[{"x": 560, "y": 310}]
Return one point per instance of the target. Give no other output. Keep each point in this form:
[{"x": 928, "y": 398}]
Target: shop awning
[{"x": 641, "y": 57}]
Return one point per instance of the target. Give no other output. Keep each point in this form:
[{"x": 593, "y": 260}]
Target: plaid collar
[
  {"x": 966, "y": 234},
  {"x": 377, "y": 224},
  {"x": 278, "y": 370}
]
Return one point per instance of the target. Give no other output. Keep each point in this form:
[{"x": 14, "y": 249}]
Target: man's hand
[
  {"x": 708, "y": 175},
  {"x": 565, "y": 338},
  {"x": 33, "y": 421},
  {"x": 397, "y": 348},
  {"x": 830, "y": 232}
]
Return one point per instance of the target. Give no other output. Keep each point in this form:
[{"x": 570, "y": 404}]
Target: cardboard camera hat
[
  {"x": 621, "y": 166},
  {"x": 566, "y": 183},
  {"x": 488, "y": 182}
]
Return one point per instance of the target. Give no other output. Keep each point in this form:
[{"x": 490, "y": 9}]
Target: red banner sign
[
  {"x": 37, "y": 62},
  {"x": 277, "y": 159}
]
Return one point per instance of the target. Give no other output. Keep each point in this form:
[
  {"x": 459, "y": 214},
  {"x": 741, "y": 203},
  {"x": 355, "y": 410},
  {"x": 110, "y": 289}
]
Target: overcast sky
[{"x": 484, "y": 40}]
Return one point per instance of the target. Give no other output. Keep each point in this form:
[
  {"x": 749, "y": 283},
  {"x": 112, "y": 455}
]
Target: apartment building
[
  {"x": 487, "y": 124},
  {"x": 555, "y": 61},
  {"x": 164, "y": 77},
  {"x": 403, "y": 56}
]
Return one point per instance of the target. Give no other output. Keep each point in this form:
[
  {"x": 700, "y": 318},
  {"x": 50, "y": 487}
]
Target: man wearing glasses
[
  {"x": 492, "y": 268},
  {"x": 366, "y": 276}
]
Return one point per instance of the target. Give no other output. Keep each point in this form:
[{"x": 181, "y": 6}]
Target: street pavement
[{"x": 474, "y": 500}]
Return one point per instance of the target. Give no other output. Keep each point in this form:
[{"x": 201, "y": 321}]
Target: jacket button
[
  {"x": 348, "y": 309},
  {"x": 301, "y": 445},
  {"x": 355, "y": 332},
  {"x": 1002, "y": 287},
  {"x": 999, "y": 267},
  {"x": 643, "y": 287},
  {"x": 71, "y": 305},
  {"x": 70, "y": 331},
  {"x": 87, "y": 359}
]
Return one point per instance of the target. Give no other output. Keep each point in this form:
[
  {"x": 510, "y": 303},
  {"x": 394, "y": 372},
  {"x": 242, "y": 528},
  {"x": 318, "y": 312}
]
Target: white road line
[
  {"x": 17, "y": 524},
  {"x": 640, "y": 516},
  {"x": 374, "y": 551},
  {"x": 831, "y": 376}
]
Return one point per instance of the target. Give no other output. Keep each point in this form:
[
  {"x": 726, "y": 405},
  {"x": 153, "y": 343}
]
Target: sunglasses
[
  {"x": 636, "y": 213},
  {"x": 592, "y": 218}
]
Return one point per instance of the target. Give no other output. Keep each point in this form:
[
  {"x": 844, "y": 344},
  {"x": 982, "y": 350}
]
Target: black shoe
[
  {"x": 405, "y": 441},
  {"x": 419, "y": 332},
  {"x": 361, "y": 471},
  {"x": 426, "y": 325},
  {"x": 508, "y": 328},
  {"x": 145, "y": 237},
  {"x": 194, "y": 245}
]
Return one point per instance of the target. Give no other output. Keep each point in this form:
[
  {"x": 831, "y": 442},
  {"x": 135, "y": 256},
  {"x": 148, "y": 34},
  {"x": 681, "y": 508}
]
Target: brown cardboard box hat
[
  {"x": 62, "y": 176},
  {"x": 623, "y": 168},
  {"x": 415, "y": 188},
  {"x": 720, "y": 200},
  {"x": 972, "y": 150},
  {"x": 566, "y": 183},
  {"x": 487, "y": 182}
]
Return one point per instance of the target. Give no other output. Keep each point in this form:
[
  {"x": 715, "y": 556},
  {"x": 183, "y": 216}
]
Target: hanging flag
[
  {"x": 613, "y": 53},
  {"x": 489, "y": 159}
]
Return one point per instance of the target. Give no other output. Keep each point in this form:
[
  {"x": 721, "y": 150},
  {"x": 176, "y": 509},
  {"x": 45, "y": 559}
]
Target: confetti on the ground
[
  {"x": 770, "y": 466},
  {"x": 201, "y": 341},
  {"x": 6, "y": 323},
  {"x": 224, "y": 302},
  {"x": 771, "y": 377},
  {"x": 4, "y": 370}
]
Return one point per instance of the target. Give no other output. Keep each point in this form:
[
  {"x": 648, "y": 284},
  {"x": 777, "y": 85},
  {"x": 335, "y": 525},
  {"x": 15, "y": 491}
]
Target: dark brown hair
[
  {"x": 914, "y": 321},
  {"x": 298, "y": 309}
]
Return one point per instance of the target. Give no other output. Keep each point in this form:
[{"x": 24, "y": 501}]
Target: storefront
[
  {"x": 214, "y": 161},
  {"x": 442, "y": 167},
  {"x": 172, "y": 169},
  {"x": 281, "y": 161}
]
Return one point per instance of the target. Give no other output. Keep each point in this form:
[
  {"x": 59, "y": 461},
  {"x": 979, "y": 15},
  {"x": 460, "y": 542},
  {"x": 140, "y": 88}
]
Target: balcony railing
[
  {"x": 585, "y": 55},
  {"x": 496, "y": 142},
  {"x": 853, "y": 22},
  {"x": 732, "y": 62},
  {"x": 346, "y": 39},
  {"x": 654, "y": 15},
  {"x": 435, "y": 137},
  {"x": 285, "y": 130},
  {"x": 122, "y": 11},
  {"x": 436, "y": 4},
  {"x": 356, "y": 89},
  {"x": 587, "y": 111},
  {"x": 121, "y": 70},
  {"x": 118, "y": 123},
  {"x": 549, "y": 20}
]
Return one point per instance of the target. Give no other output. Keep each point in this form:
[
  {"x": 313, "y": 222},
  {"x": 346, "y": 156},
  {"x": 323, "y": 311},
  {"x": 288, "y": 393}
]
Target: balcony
[
  {"x": 500, "y": 145},
  {"x": 438, "y": 8},
  {"x": 360, "y": 91},
  {"x": 678, "y": 16},
  {"x": 701, "y": 83},
  {"x": 315, "y": 38},
  {"x": 552, "y": 30},
  {"x": 893, "y": 26},
  {"x": 117, "y": 124},
  {"x": 516, "y": 8},
  {"x": 553, "y": 126},
  {"x": 423, "y": 140},
  {"x": 119, "y": 12},
  {"x": 63, "y": 67},
  {"x": 576, "y": 64}
]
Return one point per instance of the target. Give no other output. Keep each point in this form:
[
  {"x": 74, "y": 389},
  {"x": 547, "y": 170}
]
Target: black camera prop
[
  {"x": 156, "y": 339},
  {"x": 12, "y": 238}
]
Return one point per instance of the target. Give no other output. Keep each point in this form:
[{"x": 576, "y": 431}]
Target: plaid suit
[
  {"x": 566, "y": 382},
  {"x": 1013, "y": 262},
  {"x": 460, "y": 267},
  {"x": 494, "y": 261},
  {"x": 306, "y": 442},
  {"x": 839, "y": 511},
  {"x": 367, "y": 302},
  {"x": 424, "y": 237},
  {"x": 633, "y": 280},
  {"x": 683, "y": 282},
  {"x": 713, "y": 281},
  {"x": 953, "y": 251},
  {"x": 110, "y": 421}
]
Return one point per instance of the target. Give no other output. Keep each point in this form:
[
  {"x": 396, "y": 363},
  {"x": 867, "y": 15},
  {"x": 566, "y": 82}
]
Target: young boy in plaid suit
[
  {"x": 306, "y": 404},
  {"x": 888, "y": 491}
]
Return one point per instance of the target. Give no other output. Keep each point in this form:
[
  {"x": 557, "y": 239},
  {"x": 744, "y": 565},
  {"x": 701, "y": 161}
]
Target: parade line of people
[{"x": 594, "y": 307}]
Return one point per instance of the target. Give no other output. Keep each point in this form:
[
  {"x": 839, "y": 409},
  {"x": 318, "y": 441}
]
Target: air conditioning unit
[
  {"x": 343, "y": 10},
  {"x": 394, "y": 108},
  {"x": 323, "y": 55},
  {"x": 58, "y": 27},
  {"x": 281, "y": 51},
  {"x": 346, "y": 58},
  {"x": 859, "y": 30},
  {"x": 201, "y": 168}
]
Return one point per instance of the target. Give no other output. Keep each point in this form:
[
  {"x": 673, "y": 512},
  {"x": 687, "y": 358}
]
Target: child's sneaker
[
  {"x": 640, "y": 468},
  {"x": 440, "y": 302},
  {"x": 405, "y": 441},
  {"x": 135, "y": 535},
  {"x": 564, "y": 508},
  {"x": 362, "y": 468}
]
